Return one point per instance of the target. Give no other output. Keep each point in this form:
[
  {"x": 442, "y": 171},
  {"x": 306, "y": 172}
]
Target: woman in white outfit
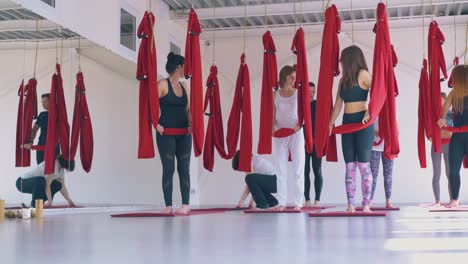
[{"x": 285, "y": 116}]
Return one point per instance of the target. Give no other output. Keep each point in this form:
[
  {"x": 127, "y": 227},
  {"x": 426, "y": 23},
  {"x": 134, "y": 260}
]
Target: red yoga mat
[
  {"x": 219, "y": 209},
  {"x": 453, "y": 209},
  {"x": 270, "y": 211},
  {"x": 381, "y": 209},
  {"x": 312, "y": 208},
  {"x": 149, "y": 214},
  {"x": 347, "y": 214}
]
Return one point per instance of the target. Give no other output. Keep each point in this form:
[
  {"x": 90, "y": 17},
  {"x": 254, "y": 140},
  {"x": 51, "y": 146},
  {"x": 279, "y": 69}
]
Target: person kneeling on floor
[
  {"x": 43, "y": 186},
  {"x": 261, "y": 183}
]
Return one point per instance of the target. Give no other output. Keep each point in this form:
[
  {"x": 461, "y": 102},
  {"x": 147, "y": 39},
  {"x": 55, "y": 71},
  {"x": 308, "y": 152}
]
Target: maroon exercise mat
[
  {"x": 380, "y": 209},
  {"x": 46, "y": 207},
  {"x": 149, "y": 214},
  {"x": 311, "y": 208},
  {"x": 347, "y": 214},
  {"x": 446, "y": 209},
  {"x": 269, "y": 211},
  {"x": 219, "y": 209}
]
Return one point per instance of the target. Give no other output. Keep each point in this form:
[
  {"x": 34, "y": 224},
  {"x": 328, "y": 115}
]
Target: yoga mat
[
  {"x": 312, "y": 208},
  {"x": 380, "y": 209},
  {"x": 269, "y": 211},
  {"x": 149, "y": 214},
  {"x": 445, "y": 209},
  {"x": 219, "y": 209},
  {"x": 425, "y": 205},
  {"x": 347, "y": 214}
]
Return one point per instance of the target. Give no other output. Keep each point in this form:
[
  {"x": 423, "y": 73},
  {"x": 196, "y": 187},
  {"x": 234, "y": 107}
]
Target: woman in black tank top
[
  {"x": 175, "y": 114},
  {"x": 458, "y": 146}
]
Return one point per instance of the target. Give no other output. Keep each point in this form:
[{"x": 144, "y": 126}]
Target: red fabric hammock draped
[
  {"x": 424, "y": 115},
  {"x": 325, "y": 144},
  {"x": 436, "y": 64},
  {"x": 82, "y": 127},
  {"x": 215, "y": 135},
  {"x": 456, "y": 61},
  {"x": 148, "y": 111},
  {"x": 193, "y": 70},
  {"x": 269, "y": 84},
  {"x": 27, "y": 111},
  {"x": 383, "y": 88},
  {"x": 302, "y": 85},
  {"x": 58, "y": 129}
]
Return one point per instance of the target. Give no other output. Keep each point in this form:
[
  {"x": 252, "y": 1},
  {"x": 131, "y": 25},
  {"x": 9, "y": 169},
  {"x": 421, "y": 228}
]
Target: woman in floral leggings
[{"x": 376, "y": 155}]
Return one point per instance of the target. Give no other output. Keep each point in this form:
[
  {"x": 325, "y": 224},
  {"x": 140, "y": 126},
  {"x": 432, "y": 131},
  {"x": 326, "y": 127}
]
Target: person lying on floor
[
  {"x": 43, "y": 186},
  {"x": 261, "y": 183}
]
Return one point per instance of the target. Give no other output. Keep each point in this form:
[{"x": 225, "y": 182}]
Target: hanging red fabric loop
[
  {"x": 424, "y": 115},
  {"x": 82, "y": 127},
  {"x": 27, "y": 111},
  {"x": 193, "y": 70},
  {"x": 456, "y": 61},
  {"x": 269, "y": 84},
  {"x": 325, "y": 144},
  {"x": 148, "y": 111},
  {"x": 302, "y": 85},
  {"x": 58, "y": 129}
]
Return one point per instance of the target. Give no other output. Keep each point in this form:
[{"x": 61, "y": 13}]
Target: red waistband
[
  {"x": 175, "y": 131},
  {"x": 461, "y": 129},
  {"x": 283, "y": 132}
]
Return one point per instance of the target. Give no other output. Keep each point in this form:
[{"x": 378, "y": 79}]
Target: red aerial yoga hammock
[
  {"x": 149, "y": 98},
  {"x": 325, "y": 144},
  {"x": 436, "y": 64},
  {"x": 424, "y": 115},
  {"x": 193, "y": 70},
  {"x": 215, "y": 135},
  {"x": 58, "y": 129},
  {"x": 456, "y": 61},
  {"x": 302, "y": 85},
  {"x": 269, "y": 84},
  {"x": 82, "y": 127},
  {"x": 27, "y": 111},
  {"x": 383, "y": 89}
]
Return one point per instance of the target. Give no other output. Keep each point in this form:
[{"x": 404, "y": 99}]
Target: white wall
[{"x": 410, "y": 184}]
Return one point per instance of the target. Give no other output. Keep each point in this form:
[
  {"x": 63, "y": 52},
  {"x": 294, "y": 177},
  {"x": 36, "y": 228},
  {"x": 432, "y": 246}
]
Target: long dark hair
[
  {"x": 460, "y": 87},
  {"x": 284, "y": 73},
  {"x": 353, "y": 61}
]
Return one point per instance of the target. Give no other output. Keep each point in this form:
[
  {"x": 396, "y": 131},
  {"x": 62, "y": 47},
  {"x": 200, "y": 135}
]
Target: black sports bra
[{"x": 354, "y": 94}]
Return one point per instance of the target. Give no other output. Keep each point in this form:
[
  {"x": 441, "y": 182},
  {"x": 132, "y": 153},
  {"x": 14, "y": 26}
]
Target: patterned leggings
[
  {"x": 366, "y": 181},
  {"x": 387, "y": 172}
]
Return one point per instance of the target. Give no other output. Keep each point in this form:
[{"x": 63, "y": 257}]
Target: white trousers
[{"x": 281, "y": 148}]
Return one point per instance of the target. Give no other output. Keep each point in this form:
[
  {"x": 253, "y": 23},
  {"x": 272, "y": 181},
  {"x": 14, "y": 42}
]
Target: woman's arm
[
  {"x": 189, "y": 114},
  {"x": 162, "y": 91},
  {"x": 49, "y": 179},
  {"x": 64, "y": 192},
  {"x": 445, "y": 108},
  {"x": 244, "y": 195},
  {"x": 336, "y": 108},
  {"x": 274, "y": 114}
]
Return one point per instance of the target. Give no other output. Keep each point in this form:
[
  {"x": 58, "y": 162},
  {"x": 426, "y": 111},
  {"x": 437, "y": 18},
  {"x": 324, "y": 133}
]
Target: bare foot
[
  {"x": 297, "y": 208},
  {"x": 281, "y": 208},
  {"x": 259, "y": 209},
  {"x": 274, "y": 208},
  {"x": 370, "y": 203},
  {"x": 366, "y": 209},
  {"x": 389, "y": 204},
  {"x": 351, "y": 208},
  {"x": 317, "y": 204},
  {"x": 167, "y": 210},
  {"x": 307, "y": 204},
  {"x": 453, "y": 203},
  {"x": 184, "y": 209}
]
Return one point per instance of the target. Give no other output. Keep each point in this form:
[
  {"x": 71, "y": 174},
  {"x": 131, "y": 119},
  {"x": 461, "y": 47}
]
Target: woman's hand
[
  {"x": 189, "y": 130},
  {"x": 27, "y": 146},
  {"x": 48, "y": 203},
  {"x": 330, "y": 128},
  {"x": 71, "y": 203},
  {"x": 297, "y": 128},
  {"x": 366, "y": 117},
  {"x": 442, "y": 122},
  {"x": 160, "y": 129}
]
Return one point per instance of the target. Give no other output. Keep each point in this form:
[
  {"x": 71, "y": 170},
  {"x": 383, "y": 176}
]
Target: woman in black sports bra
[
  {"x": 175, "y": 113},
  {"x": 357, "y": 146}
]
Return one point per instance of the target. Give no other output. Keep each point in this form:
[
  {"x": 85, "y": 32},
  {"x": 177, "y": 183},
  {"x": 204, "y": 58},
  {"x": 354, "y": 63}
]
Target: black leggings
[
  {"x": 36, "y": 187},
  {"x": 171, "y": 147},
  {"x": 458, "y": 148},
  {"x": 261, "y": 187},
  {"x": 318, "y": 179},
  {"x": 357, "y": 146}
]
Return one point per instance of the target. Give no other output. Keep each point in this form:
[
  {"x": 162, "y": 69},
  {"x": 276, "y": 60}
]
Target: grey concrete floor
[{"x": 412, "y": 235}]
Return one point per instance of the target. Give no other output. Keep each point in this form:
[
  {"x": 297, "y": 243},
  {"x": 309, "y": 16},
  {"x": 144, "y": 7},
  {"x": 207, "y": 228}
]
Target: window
[
  {"x": 49, "y": 2},
  {"x": 175, "y": 49},
  {"x": 127, "y": 29}
]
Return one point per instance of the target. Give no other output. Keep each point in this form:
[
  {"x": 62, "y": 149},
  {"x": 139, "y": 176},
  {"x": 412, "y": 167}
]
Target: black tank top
[
  {"x": 353, "y": 94},
  {"x": 461, "y": 118},
  {"x": 173, "y": 109}
]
